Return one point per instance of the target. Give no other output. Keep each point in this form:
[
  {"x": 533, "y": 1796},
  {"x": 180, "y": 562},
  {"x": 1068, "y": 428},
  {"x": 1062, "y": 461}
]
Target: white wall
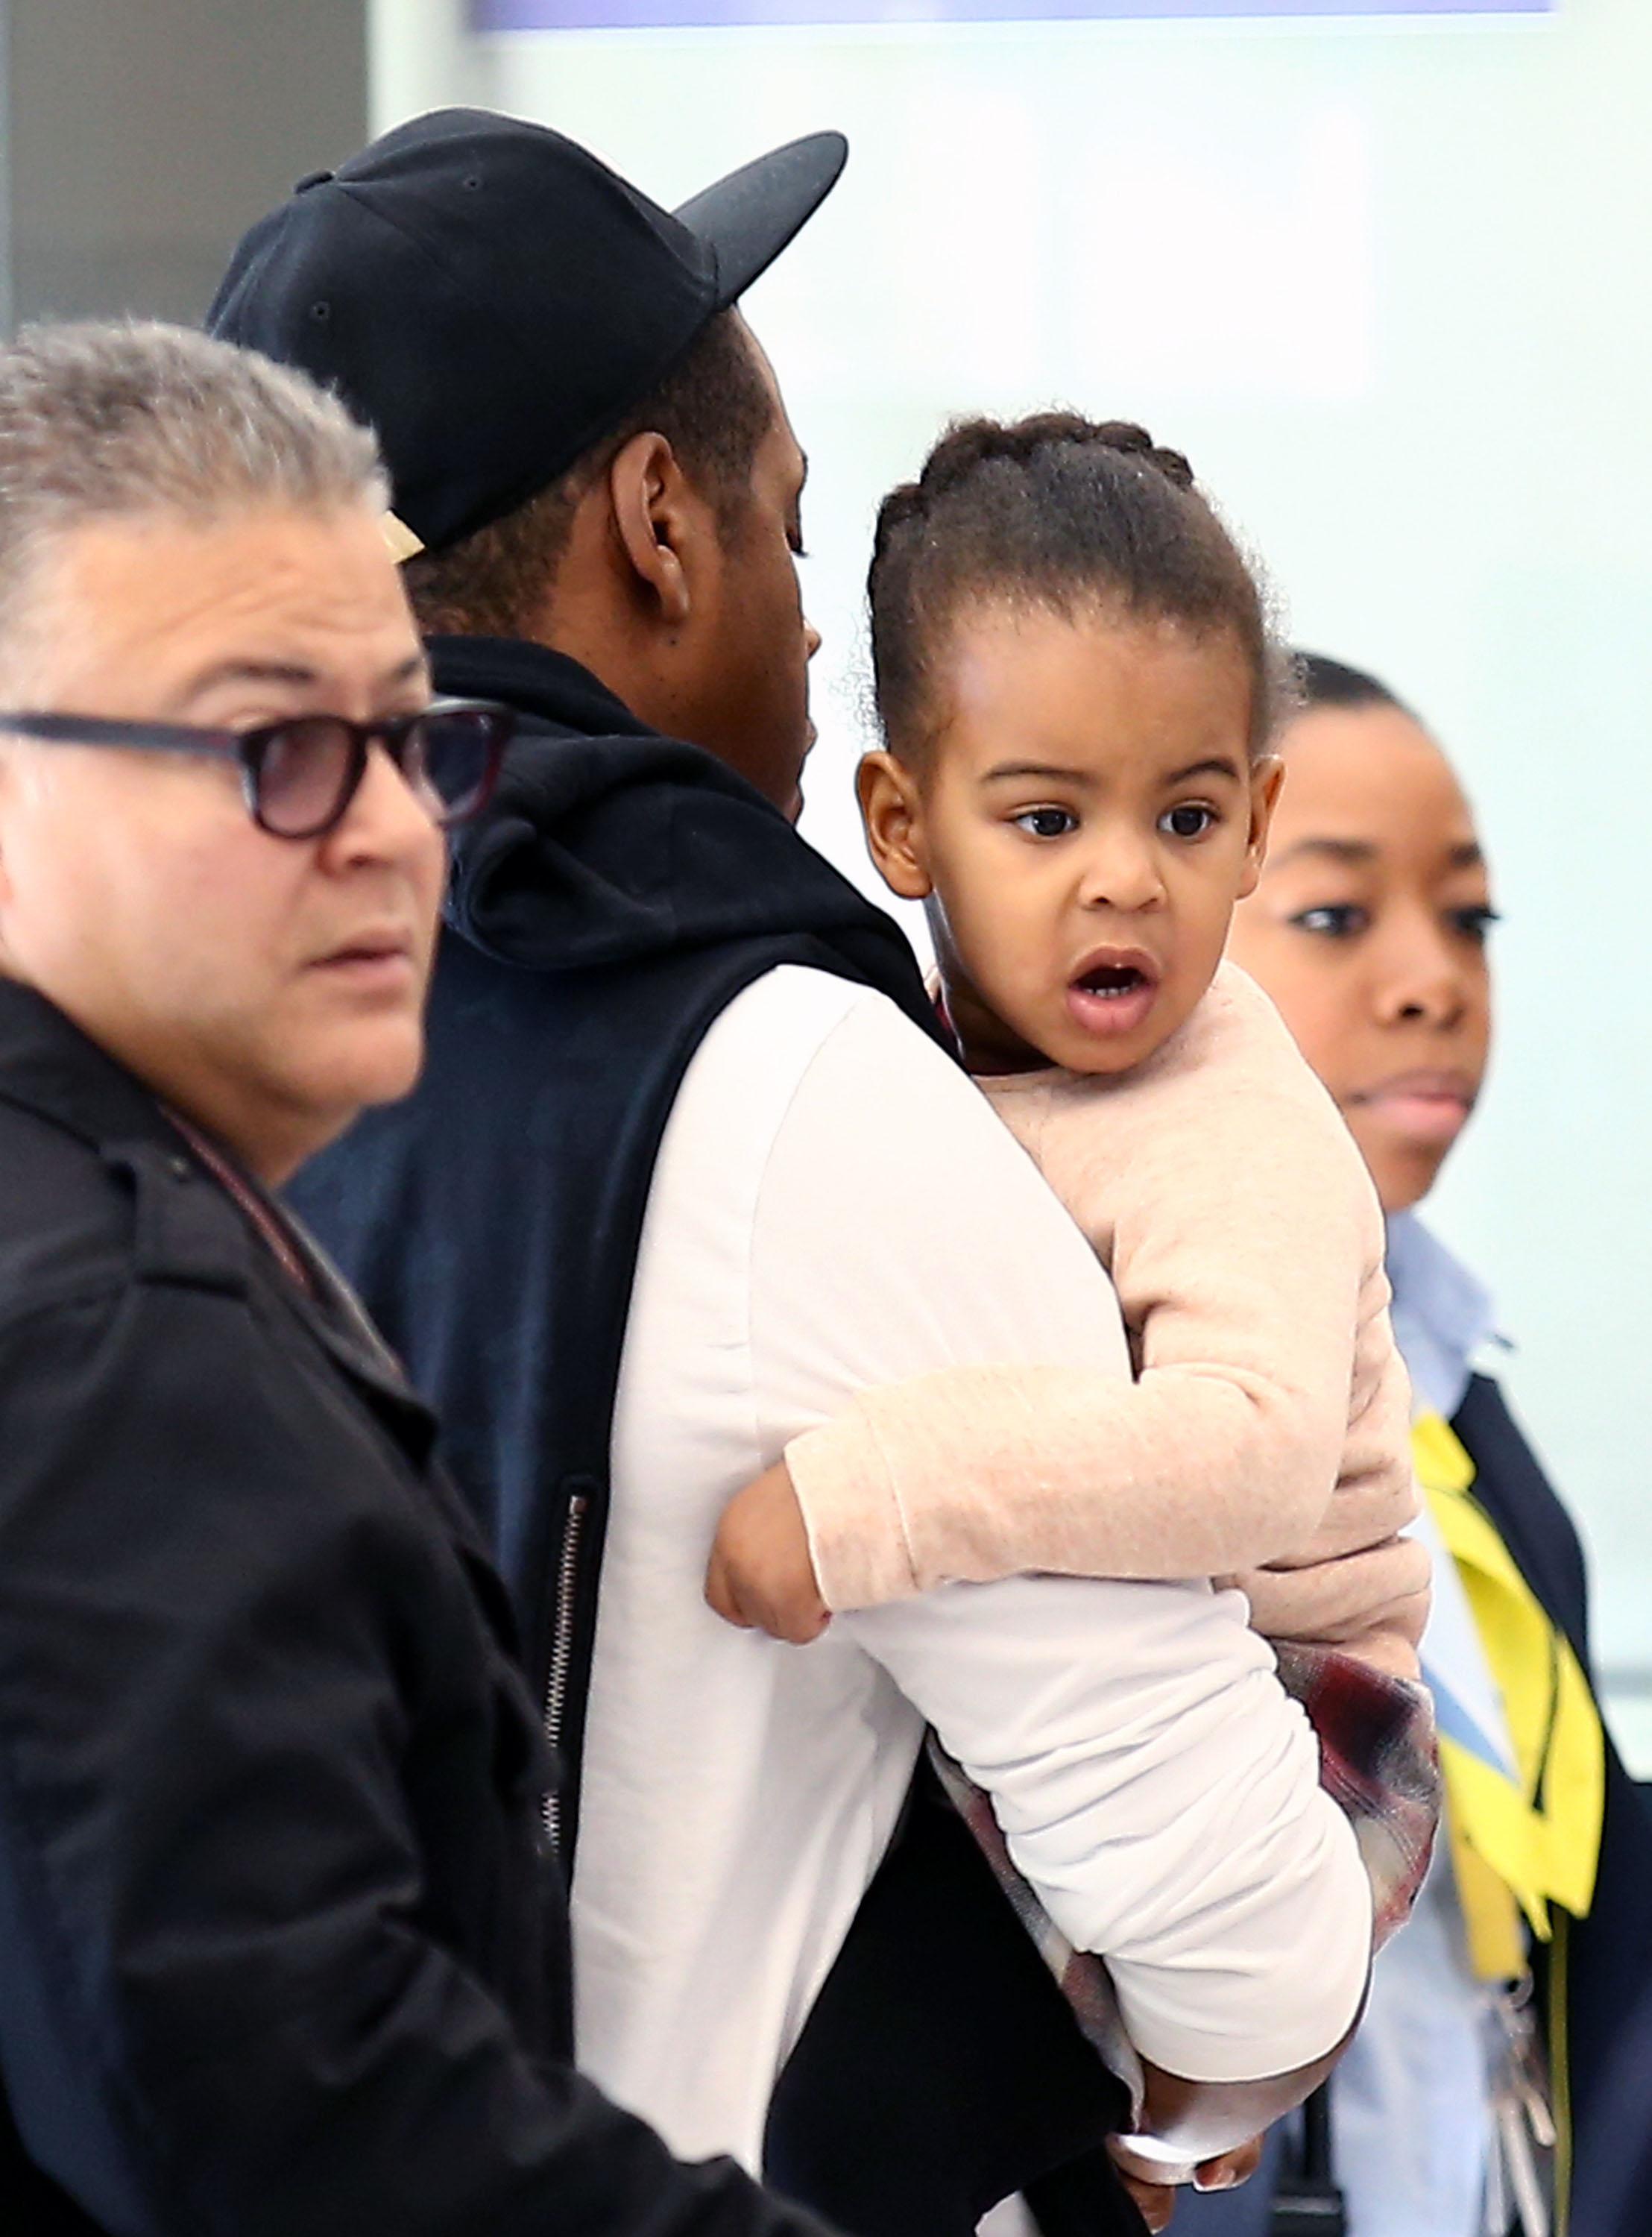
[{"x": 1390, "y": 287}]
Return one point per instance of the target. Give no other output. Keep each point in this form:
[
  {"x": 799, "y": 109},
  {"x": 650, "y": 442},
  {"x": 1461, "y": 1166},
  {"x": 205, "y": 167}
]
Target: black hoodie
[
  {"x": 618, "y": 894},
  {"x": 620, "y": 891}
]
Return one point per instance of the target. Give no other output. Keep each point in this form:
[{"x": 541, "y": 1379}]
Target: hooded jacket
[{"x": 619, "y": 892}]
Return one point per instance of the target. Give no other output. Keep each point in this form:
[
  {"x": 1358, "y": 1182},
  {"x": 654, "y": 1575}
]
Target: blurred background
[{"x": 1382, "y": 271}]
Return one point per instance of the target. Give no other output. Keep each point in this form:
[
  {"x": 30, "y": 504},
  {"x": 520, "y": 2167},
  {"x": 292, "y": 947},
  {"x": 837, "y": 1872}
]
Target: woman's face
[{"x": 1368, "y": 928}]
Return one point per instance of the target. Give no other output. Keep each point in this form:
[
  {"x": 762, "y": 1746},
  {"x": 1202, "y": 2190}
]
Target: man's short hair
[
  {"x": 713, "y": 407},
  {"x": 114, "y": 420}
]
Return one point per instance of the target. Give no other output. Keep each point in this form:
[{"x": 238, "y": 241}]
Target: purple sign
[{"x": 638, "y": 15}]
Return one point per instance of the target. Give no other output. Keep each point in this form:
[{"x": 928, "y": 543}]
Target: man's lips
[
  {"x": 1113, "y": 990},
  {"x": 1428, "y": 1106},
  {"x": 373, "y": 958}
]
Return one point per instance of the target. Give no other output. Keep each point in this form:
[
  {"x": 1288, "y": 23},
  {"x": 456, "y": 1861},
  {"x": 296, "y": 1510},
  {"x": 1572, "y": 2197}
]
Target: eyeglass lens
[{"x": 309, "y": 769}]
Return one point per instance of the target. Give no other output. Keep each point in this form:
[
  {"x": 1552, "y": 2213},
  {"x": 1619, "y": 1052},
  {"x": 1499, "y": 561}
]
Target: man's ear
[
  {"x": 892, "y": 811},
  {"x": 1266, "y": 777},
  {"x": 658, "y": 521}
]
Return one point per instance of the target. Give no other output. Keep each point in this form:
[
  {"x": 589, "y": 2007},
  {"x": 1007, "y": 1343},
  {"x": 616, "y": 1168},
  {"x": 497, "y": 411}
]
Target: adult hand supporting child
[
  {"x": 761, "y": 1576},
  {"x": 1156, "y": 2199}
]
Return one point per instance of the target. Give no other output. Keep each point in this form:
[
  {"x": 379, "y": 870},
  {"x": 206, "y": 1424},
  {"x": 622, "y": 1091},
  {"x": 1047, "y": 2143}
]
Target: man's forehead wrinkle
[
  {"x": 190, "y": 606},
  {"x": 300, "y": 674},
  {"x": 237, "y": 670}
]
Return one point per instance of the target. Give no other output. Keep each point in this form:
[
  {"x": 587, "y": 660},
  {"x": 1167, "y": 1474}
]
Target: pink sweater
[{"x": 1267, "y": 1437}]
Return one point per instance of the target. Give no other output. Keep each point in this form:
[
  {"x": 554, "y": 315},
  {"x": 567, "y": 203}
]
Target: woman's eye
[
  {"x": 1474, "y": 923},
  {"x": 1332, "y": 921},
  {"x": 1189, "y": 819},
  {"x": 1046, "y": 822}
]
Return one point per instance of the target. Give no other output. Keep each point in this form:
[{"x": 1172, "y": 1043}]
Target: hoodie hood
[{"x": 607, "y": 844}]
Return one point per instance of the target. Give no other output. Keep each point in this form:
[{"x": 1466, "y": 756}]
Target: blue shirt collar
[{"x": 1443, "y": 1316}]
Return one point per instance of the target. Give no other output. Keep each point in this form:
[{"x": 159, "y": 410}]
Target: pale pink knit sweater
[{"x": 1267, "y": 1437}]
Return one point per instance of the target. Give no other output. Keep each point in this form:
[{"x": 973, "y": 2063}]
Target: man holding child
[{"x": 688, "y": 1171}]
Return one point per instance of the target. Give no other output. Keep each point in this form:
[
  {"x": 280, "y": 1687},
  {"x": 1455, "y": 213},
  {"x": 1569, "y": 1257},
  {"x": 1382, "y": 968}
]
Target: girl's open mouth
[{"x": 1112, "y": 995}]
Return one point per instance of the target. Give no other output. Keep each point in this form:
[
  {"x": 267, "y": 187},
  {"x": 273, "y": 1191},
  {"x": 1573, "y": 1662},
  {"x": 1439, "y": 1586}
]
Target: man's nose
[
  {"x": 810, "y": 638},
  {"x": 386, "y": 820}
]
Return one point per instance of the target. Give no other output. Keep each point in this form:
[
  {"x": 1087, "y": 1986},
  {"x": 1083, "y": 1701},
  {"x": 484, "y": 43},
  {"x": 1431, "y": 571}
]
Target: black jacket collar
[
  {"x": 50, "y": 1066},
  {"x": 607, "y": 844},
  {"x": 534, "y": 680}
]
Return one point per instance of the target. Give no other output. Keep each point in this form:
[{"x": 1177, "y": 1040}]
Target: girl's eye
[
  {"x": 1333, "y": 921},
  {"x": 1046, "y": 822},
  {"x": 1189, "y": 819},
  {"x": 1474, "y": 923}
]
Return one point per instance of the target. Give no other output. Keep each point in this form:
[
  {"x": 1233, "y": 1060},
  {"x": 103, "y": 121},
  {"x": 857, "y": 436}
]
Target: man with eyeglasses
[{"x": 280, "y": 1950}]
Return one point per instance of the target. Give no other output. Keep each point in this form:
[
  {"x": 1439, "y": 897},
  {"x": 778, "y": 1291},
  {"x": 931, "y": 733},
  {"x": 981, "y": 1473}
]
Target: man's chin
[{"x": 381, "y": 1065}]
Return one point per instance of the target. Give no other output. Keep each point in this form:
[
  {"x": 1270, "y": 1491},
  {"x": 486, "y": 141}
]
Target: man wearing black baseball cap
[
  {"x": 574, "y": 411},
  {"x": 686, "y": 1171}
]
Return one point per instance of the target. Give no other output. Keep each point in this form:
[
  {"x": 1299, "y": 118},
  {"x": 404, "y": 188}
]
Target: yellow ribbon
[{"x": 1518, "y": 1845}]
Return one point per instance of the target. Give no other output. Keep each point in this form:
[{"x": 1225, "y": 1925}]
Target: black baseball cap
[{"x": 493, "y": 299}]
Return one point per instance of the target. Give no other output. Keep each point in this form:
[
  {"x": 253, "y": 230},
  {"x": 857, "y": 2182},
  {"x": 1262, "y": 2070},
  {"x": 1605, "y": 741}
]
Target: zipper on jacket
[{"x": 561, "y": 1655}]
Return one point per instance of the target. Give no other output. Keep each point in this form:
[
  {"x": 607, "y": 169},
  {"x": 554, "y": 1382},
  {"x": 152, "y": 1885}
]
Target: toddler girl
[{"x": 1077, "y": 686}]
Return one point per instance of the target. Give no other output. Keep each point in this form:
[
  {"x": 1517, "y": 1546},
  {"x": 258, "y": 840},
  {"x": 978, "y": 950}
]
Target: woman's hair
[
  {"x": 1056, "y": 512},
  {"x": 1322, "y": 682}
]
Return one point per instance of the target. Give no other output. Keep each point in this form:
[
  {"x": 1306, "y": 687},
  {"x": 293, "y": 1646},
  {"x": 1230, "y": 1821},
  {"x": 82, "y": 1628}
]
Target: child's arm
[
  {"x": 1246, "y": 1256},
  {"x": 1224, "y": 1455}
]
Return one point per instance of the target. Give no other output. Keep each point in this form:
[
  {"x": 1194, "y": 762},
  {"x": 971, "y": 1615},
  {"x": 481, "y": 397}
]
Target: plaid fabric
[{"x": 1378, "y": 1761}]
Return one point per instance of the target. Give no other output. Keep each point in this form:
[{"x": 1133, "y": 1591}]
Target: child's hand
[{"x": 761, "y": 1575}]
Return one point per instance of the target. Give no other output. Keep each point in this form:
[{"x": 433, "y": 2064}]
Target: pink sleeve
[{"x": 1245, "y": 1242}]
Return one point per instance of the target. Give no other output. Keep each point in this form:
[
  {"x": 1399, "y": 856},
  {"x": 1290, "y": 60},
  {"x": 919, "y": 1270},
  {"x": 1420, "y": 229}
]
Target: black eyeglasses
[{"x": 300, "y": 776}]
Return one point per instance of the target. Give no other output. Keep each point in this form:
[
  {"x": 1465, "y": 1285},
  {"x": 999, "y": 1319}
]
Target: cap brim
[{"x": 750, "y": 217}]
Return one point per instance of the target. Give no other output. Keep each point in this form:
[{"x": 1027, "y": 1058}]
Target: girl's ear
[
  {"x": 657, "y": 521},
  {"x": 892, "y": 811},
  {"x": 1266, "y": 777}
]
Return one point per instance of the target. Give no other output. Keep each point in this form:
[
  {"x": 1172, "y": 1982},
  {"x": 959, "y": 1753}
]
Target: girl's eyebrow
[
  {"x": 1038, "y": 769},
  {"x": 1214, "y": 765}
]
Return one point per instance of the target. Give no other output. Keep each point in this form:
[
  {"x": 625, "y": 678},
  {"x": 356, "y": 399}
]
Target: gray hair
[{"x": 114, "y": 420}]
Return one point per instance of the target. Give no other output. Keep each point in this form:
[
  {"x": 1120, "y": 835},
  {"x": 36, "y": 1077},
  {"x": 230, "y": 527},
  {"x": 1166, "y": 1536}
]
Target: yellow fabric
[{"x": 1518, "y": 1845}]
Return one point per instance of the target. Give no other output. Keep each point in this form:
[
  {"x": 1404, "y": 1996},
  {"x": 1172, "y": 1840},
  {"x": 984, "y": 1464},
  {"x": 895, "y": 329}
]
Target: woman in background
[{"x": 1493, "y": 2017}]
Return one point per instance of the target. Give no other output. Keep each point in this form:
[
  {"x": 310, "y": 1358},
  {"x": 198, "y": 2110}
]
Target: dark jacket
[
  {"x": 1597, "y": 1970},
  {"x": 620, "y": 892},
  {"x": 1615, "y": 2141},
  {"x": 279, "y": 1951}
]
